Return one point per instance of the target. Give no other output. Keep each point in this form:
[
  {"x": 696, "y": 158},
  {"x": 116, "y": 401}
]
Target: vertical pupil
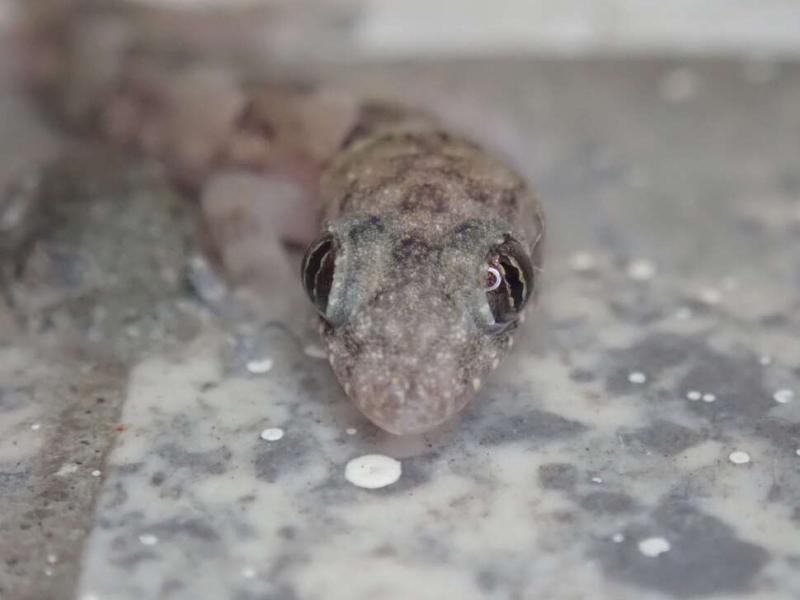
[
  {"x": 318, "y": 274},
  {"x": 515, "y": 283}
]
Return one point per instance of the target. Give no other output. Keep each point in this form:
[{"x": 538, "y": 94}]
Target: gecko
[{"x": 428, "y": 250}]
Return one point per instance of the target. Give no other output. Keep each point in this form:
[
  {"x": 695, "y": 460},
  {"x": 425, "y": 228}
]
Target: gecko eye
[
  {"x": 509, "y": 281},
  {"x": 317, "y": 271}
]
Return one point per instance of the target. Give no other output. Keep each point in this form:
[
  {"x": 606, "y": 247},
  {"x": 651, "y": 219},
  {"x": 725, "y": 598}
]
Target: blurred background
[
  {"x": 642, "y": 442},
  {"x": 418, "y": 28}
]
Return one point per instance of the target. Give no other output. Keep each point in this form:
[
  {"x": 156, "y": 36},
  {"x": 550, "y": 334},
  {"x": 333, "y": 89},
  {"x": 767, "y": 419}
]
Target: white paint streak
[
  {"x": 315, "y": 352},
  {"x": 67, "y": 468},
  {"x": 259, "y": 367},
  {"x": 373, "y": 471},
  {"x": 272, "y": 434},
  {"x": 637, "y": 377},
  {"x": 739, "y": 458},
  {"x": 582, "y": 262},
  {"x": 148, "y": 539},
  {"x": 641, "y": 270},
  {"x": 654, "y": 546}
]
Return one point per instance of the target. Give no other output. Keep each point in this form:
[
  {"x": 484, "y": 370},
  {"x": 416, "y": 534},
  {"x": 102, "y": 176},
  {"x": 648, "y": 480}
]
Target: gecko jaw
[{"x": 401, "y": 413}]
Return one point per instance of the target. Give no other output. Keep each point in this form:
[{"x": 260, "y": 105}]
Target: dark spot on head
[
  {"x": 157, "y": 478},
  {"x": 607, "y": 503},
  {"x": 287, "y": 532},
  {"x": 425, "y": 197},
  {"x": 411, "y": 250},
  {"x": 371, "y": 223},
  {"x": 661, "y": 437},
  {"x": 558, "y": 476},
  {"x": 705, "y": 558}
]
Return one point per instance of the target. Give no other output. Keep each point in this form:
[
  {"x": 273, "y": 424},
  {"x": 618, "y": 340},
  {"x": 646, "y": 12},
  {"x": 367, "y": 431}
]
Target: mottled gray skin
[{"x": 416, "y": 212}]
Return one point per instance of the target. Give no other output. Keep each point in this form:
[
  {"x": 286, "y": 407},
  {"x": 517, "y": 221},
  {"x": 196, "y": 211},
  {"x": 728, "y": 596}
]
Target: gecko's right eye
[{"x": 317, "y": 271}]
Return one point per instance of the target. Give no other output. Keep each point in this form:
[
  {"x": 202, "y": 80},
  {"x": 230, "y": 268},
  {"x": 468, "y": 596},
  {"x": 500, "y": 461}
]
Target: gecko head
[{"x": 414, "y": 320}]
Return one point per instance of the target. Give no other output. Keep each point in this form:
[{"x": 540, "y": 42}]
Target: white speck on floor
[
  {"x": 641, "y": 270},
  {"x": 148, "y": 539},
  {"x": 617, "y": 538},
  {"x": 654, "y": 546},
  {"x": 272, "y": 434},
  {"x": 48, "y": 571},
  {"x": 373, "y": 471},
  {"x": 90, "y": 597},
  {"x": 710, "y": 296},
  {"x": 783, "y": 396},
  {"x": 582, "y": 262},
  {"x": 259, "y": 367},
  {"x": 797, "y": 452},
  {"x": 96, "y": 473},
  {"x": 248, "y": 572},
  {"x": 67, "y": 468},
  {"x": 637, "y": 377},
  {"x": 765, "y": 360},
  {"x": 351, "y": 431},
  {"x": 597, "y": 479},
  {"x": 709, "y": 398},
  {"x": 739, "y": 458},
  {"x": 694, "y": 395},
  {"x": 52, "y": 559},
  {"x": 315, "y": 351},
  {"x": 36, "y": 426},
  {"x": 684, "y": 314}
]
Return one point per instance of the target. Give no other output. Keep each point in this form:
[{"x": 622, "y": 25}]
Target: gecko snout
[{"x": 410, "y": 404}]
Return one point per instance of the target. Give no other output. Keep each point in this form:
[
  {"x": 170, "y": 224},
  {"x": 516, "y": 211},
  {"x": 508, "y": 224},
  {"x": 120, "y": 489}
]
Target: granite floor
[{"x": 642, "y": 442}]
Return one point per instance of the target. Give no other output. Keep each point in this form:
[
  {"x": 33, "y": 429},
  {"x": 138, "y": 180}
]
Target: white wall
[{"x": 403, "y": 28}]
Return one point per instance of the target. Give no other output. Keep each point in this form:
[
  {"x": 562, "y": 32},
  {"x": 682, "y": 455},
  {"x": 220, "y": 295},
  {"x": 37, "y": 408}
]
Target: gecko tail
[{"x": 181, "y": 84}]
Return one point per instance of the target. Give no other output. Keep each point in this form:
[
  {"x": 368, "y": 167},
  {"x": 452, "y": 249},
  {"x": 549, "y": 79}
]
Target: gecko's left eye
[
  {"x": 317, "y": 271},
  {"x": 509, "y": 281}
]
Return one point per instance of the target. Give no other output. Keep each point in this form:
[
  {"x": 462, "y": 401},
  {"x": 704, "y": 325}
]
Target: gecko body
[
  {"x": 429, "y": 251},
  {"x": 429, "y": 247}
]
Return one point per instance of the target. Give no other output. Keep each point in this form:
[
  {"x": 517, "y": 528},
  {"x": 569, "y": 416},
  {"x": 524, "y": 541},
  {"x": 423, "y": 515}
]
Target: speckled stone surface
[{"x": 596, "y": 463}]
